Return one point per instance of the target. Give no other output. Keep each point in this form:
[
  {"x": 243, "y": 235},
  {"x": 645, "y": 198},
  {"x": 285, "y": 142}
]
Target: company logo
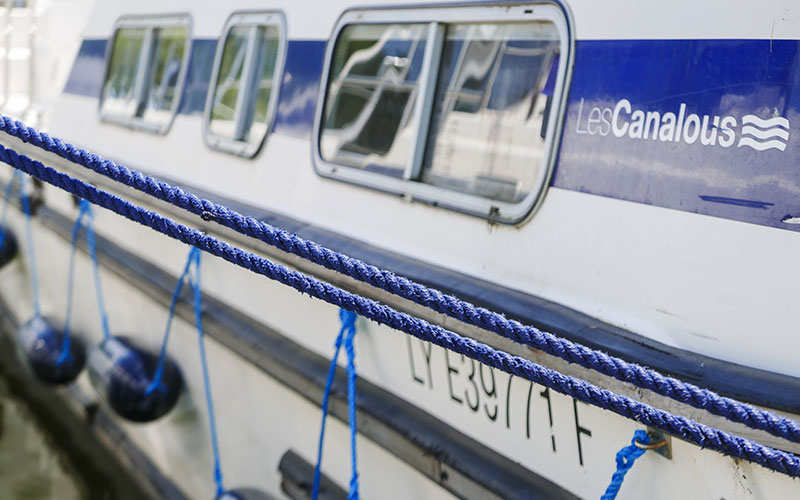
[
  {"x": 764, "y": 134},
  {"x": 624, "y": 121}
]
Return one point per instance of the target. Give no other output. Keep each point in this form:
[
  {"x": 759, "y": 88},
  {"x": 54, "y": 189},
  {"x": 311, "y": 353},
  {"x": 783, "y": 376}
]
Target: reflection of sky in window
[{"x": 486, "y": 127}]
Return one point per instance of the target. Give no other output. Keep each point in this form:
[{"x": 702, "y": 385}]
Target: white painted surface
[{"x": 718, "y": 287}]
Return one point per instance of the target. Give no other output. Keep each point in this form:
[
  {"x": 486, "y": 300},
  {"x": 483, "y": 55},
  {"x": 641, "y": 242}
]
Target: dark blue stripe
[
  {"x": 300, "y": 87},
  {"x": 86, "y": 76},
  {"x": 737, "y": 202},
  {"x": 201, "y": 63}
]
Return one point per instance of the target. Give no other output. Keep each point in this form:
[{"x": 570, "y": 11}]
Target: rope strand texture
[
  {"x": 699, "y": 434},
  {"x": 466, "y": 312}
]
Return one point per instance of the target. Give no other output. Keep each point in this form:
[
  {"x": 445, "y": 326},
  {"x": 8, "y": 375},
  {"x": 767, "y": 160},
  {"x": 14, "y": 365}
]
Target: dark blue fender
[
  {"x": 122, "y": 373},
  {"x": 43, "y": 347}
]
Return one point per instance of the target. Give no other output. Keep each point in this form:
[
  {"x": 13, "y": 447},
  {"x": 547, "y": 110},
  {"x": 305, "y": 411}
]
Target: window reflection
[
  {"x": 144, "y": 72},
  {"x": 119, "y": 90},
  {"x": 257, "y": 123},
  {"x": 229, "y": 79},
  {"x": 371, "y": 97},
  {"x": 168, "y": 47},
  {"x": 487, "y": 131},
  {"x": 244, "y": 86}
]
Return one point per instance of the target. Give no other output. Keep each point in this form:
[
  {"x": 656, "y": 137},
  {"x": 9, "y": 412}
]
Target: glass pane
[
  {"x": 371, "y": 96},
  {"x": 226, "y": 90},
  {"x": 119, "y": 89},
  {"x": 254, "y": 127},
  {"x": 167, "y": 52},
  {"x": 487, "y": 131}
]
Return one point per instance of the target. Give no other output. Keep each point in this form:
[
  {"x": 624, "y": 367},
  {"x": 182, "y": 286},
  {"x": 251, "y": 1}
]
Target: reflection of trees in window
[
  {"x": 244, "y": 84},
  {"x": 143, "y": 73},
  {"x": 118, "y": 92},
  {"x": 168, "y": 47},
  {"x": 371, "y": 96}
]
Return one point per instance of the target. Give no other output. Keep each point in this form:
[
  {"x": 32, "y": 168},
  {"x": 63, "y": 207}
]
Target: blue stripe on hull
[
  {"x": 708, "y": 161},
  {"x": 710, "y": 78},
  {"x": 86, "y": 75}
]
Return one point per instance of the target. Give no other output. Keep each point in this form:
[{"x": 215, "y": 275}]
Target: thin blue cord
[
  {"x": 98, "y": 289},
  {"x": 194, "y": 255},
  {"x": 625, "y": 458},
  {"x": 26, "y": 207},
  {"x": 16, "y": 176},
  {"x": 85, "y": 219},
  {"x": 349, "y": 347},
  {"x": 70, "y": 282},
  {"x": 162, "y": 356},
  {"x": 348, "y": 320}
]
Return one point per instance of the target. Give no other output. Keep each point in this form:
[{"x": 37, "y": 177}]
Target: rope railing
[
  {"x": 687, "y": 429},
  {"x": 642, "y": 377}
]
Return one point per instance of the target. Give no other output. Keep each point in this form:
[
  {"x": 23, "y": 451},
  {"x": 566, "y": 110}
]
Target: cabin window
[
  {"x": 455, "y": 106},
  {"x": 145, "y": 70},
  {"x": 242, "y": 98},
  {"x": 372, "y": 95}
]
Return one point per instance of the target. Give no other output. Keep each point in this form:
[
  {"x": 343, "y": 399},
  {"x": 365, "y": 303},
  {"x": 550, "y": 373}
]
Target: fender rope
[
  {"x": 435, "y": 300},
  {"x": 625, "y": 458},
  {"x": 689, "y": 430},
  {"x": 346, "y": 334},
  {"x": 194, "y": 255},
  {"x": 84, "y": 219}
]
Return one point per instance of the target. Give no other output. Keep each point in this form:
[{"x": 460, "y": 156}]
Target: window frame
[
  {"x": 150, "y": 23},
  {"x": 437, "y": 17},
  {"x": 261, "y": 18}
]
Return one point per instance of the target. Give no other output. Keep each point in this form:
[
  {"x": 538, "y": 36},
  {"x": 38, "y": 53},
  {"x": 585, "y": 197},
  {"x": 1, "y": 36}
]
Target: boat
[{"x": 618, "y": 174}]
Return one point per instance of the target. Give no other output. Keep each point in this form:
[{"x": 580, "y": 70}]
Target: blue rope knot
[
  {"x": 346, "y": 336},
  {"x": 625, "y": 459}
]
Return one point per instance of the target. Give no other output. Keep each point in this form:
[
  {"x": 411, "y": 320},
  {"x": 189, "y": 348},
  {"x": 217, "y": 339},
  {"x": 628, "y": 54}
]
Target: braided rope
[
  {"x": 689, "y": 430},
  {"x": 549, "y": 343}
]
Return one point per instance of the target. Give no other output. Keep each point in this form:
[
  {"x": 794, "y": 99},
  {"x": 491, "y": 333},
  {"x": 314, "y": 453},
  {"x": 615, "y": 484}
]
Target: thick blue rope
[
  {"x": 676, "y": 425},
  {"x": 26, "y": 207},
  {"x": 599, "y": 361},
  {"x": 346, "y": 335},
  {"x": 157, "y": 375},
  {"x": 625, "y": 458},
  {"x": 85, "y": 219},
  {"x": 194, "y": 255}
]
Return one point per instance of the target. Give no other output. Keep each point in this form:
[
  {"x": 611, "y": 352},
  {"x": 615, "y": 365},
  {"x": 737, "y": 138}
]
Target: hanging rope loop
[
  {"x": 346, "y": 335},
  {"x": 625, "y": 459},
  {"x": 194, "y": 258},
  {"x": 159, "y": 372},
  {"x": 26, "y": 209},
  {"x": 85, "y": 219},
  {"x": 16, "y": 177}
]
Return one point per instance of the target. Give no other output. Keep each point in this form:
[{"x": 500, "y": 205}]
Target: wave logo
[{"x": 761, "y": 134}]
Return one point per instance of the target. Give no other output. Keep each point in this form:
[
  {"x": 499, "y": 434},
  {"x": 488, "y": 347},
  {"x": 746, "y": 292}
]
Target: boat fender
[
  {"x": 8, "y": 246},
  {"x": 122, "y": 373},
  {"x": 51, "y": 358},
  {"x": 243, "y": 494}
]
